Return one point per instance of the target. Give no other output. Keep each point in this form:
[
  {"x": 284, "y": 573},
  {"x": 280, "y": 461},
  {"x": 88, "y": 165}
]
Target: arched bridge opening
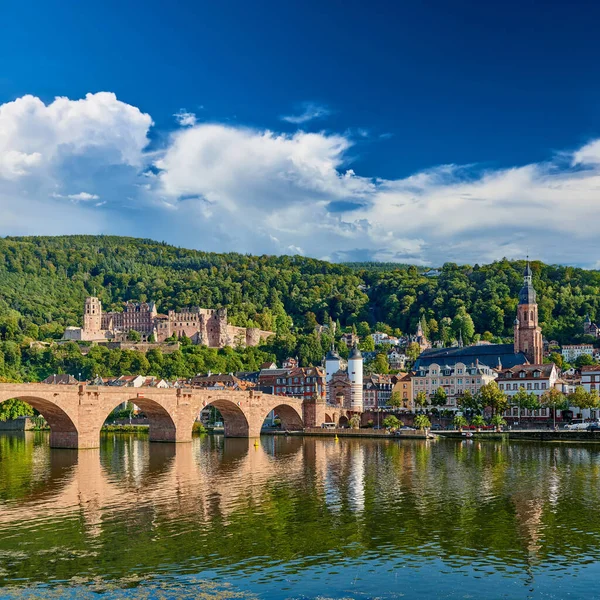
[
  {"x": 289, "y": 418},
  {"x": 63, "y": 431},
  {"x": 235, "y": 423},
  {"x": 161, "y": 426}
]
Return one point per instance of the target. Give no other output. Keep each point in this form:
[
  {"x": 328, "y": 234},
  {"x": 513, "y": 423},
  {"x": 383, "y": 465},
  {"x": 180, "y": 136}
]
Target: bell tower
[{"x": 528, "y": 334}]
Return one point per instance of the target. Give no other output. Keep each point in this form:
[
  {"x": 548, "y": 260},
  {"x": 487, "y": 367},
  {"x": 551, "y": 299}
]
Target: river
[{"x": 298, "y": 518}]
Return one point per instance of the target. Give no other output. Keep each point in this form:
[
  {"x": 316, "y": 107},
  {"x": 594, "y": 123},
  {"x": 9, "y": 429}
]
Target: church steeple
[{"x": 528, "y": 335}]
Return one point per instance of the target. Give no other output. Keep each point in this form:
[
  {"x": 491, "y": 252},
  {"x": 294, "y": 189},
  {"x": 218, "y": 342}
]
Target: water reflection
[{"x": 301, "y": 516}]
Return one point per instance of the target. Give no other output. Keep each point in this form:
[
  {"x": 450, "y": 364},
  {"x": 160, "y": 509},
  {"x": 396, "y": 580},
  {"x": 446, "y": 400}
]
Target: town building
[
  {"x": 496, "y": 356},
  {"x": 590, "y": 328},
  {"x": 571, "y": 352},
  {"x": 396, "y": 358},
  {"x": 377, "y": 391},
  {"x": 203, "y": 326},
  {"x": 403, "y": 386},
  {"x": 590, "y": 377},
  {"x": 380, "y": 338},
  {"x": 534, "y": 379},
  {"x": 294, "y": 381},
  {"x": 218, "y": 381},
  {"x": 528, "y": 334},
  {"x": 62, "y": 379},
  {"x": 420, "y": 338},
  {"x": 350, "y": 339},
  {"x": 454, "y": 378}
]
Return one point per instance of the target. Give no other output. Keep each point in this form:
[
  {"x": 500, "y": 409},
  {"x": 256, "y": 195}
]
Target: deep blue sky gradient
[{"x": 496, "y": 84}]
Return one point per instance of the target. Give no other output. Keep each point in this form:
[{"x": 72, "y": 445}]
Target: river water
[{"x": 298, "y": 518}]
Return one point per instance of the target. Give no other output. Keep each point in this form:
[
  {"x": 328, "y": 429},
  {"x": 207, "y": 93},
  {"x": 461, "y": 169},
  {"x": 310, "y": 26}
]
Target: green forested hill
[{"x": 44, "y": 280}]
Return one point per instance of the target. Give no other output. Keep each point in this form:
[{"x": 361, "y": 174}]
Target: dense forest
[{"x": 44, "y": 280}]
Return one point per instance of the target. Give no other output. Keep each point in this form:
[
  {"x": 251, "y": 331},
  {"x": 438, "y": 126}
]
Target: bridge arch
[
  {"x": 63, "y": 431},
  {"x": 235, "y": 421},
  {"x": 291, "y": 418},
  {"x": 162, "y": 427}
]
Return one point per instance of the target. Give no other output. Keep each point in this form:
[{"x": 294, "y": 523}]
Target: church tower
[{"x": 528, "y": 334}]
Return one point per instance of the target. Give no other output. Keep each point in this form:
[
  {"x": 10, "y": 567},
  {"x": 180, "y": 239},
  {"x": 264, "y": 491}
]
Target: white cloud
[
  {"x": 35, "y": 134},
  {"x": 80, "y": 197},
  {"x": 310, "y": 111},
  {"x": 272, "y": 192},
  {"x": 185, "y": 118},
  {"x": 231, "y": 188},
  {"x": 97, "y": 142}
]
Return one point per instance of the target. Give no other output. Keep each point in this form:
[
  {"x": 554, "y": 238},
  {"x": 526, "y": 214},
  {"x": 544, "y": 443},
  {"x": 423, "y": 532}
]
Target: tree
[
  {"x": 368, "y": 344},
  {"x": 440, "y": 398},
  {"x": 133, "y": 336},
  {"x": 13, "y": 409},
  {"x": 422, "y": 422},
  {"x": 469, "y": 403},
  {"x": 557, "y": 359},
  {"x": 580, "y": 398},
  {"x": 363, "y": 330},
  {"x": 459, "y": 422},
  {"x": 478, "y": 421},
  {"x": 492, "y": 396},
  {"x": 354, "y": 421},
  {"x": 498, "y": 421},
  {"x": 395, "y": 400},
  {"x": 462, "y": 325},
  {"x": 380, "y": 364},
  {"x": 554, "y": 399},
  {"x": 584, "y": 360},
  {"x": 421, "y": 399},
  {"x": 391, "y": 422},
  {"x": 413, "y": 351},
  {"x": 522, "y": 399}
]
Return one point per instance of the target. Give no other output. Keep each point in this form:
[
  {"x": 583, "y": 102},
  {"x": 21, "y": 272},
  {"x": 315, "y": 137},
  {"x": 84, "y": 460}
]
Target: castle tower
[
  {"x": 355, "y": 374},
  {"x": 92, "y": 315},
  {"x": 528, "y": 334}
]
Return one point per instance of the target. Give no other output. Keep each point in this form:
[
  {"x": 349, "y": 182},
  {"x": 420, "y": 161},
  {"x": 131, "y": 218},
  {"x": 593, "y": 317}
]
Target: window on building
[{"x": 529, "y": 386}]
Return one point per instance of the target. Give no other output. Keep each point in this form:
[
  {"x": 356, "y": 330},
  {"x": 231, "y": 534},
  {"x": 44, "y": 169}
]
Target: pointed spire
[{"x": 460, "y": 340}]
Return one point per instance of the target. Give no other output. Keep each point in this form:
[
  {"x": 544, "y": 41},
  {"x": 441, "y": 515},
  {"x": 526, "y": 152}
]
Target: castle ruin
[{"x": 203, "y": 326}]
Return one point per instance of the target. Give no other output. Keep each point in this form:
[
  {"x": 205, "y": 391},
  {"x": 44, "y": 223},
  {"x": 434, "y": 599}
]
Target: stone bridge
[{"x": 76, "y": 413}]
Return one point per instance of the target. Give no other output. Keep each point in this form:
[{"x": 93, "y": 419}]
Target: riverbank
[
  {"x": 367, "y": 433},
  {"x": 531, "y": 435}
]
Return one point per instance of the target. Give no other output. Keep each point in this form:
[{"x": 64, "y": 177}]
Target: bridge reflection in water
[{"x": 297, "y": 510}]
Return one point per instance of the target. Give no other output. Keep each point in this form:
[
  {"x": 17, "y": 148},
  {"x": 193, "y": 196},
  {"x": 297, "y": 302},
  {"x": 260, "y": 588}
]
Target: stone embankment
[
  {"x": 532, "y": 435},
  {"x": 367, "y": 433}
]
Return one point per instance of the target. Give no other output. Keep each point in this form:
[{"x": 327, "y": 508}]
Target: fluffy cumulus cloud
[
  {"x": 47, "y": 149},
  {"x": 72, "y": 166}
]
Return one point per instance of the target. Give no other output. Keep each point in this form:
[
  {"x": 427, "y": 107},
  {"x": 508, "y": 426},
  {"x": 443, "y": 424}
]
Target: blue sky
[{"x": 414, "y": 132}]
